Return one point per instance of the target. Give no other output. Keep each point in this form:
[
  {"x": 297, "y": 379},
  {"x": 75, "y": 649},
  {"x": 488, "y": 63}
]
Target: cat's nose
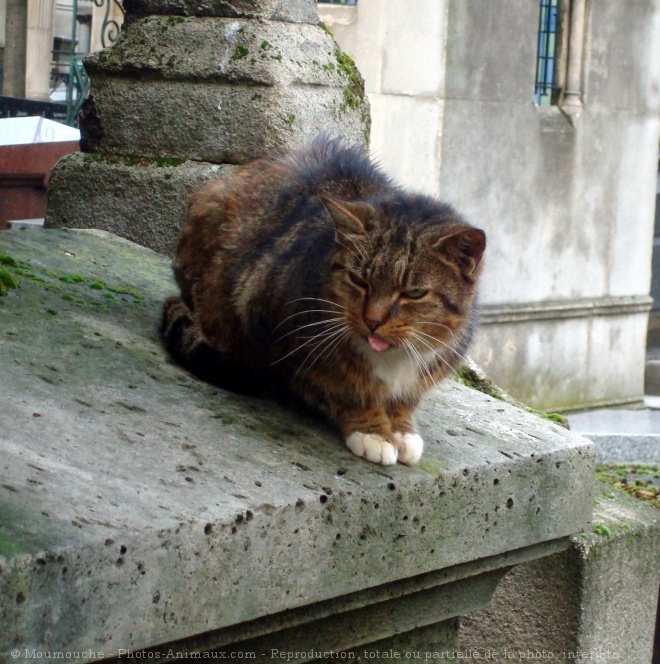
[
  {"x": 373, "y": 325},
  {"x": 376, "y": 312}
]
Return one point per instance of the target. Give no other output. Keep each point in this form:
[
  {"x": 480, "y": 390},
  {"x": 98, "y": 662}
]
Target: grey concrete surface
[
  {"x": 139, "y": 506},
  {"x": 595, "y": 602},
  {"x": 621, "y": 435}
]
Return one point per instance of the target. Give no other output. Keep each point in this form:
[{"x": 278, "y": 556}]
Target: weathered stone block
[
  {"x": 296, "y": 11},
  {"x": 595, "y": 601},
  {"x": 139, "y": 506},
  {"x": 142, "y": 200},
  {"x": 220, "y": 90}
]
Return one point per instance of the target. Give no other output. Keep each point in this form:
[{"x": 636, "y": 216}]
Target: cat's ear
[
  {"x": 348, "y": 218},
  {"x": 463, "y": 247}
]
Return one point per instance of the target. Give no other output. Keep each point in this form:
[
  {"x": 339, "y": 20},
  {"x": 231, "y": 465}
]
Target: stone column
[
  {"x": 189, "y": 89},
  {"x": 13, "y": 82},
  {"x": 39, "y": 52}
]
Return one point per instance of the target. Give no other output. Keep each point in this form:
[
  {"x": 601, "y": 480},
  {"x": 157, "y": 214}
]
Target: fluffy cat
[{"x": 312, "y": 270}]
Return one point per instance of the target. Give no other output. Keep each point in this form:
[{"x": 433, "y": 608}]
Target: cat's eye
[
  {"x": 415, "y": 293},
  {"x": 358, "y": 281}
]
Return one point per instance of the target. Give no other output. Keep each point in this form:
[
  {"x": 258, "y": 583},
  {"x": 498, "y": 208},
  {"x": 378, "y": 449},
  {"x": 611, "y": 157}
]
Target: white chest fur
[{"x": 397, "y": 369}]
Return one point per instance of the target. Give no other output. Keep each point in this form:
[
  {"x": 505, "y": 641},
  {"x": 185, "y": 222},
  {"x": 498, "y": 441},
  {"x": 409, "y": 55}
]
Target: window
[{"x": 546, "y": 60}]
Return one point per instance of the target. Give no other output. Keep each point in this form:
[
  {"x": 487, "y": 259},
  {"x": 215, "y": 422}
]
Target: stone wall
[{"x": 565, "y": 194}]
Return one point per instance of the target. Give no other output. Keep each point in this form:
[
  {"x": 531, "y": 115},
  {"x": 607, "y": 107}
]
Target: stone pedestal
[
  {"x": 141, "y": 509},
  {"x": 206, "y": 82}
]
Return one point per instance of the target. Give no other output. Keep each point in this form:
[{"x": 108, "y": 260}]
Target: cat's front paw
[
  {"x": 372, "y": 447},
  {"x": 410, "y": 447}
]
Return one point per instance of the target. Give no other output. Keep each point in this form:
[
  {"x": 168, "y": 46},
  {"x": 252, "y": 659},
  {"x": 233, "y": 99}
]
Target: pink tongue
[{"x": 377, "y": 343}]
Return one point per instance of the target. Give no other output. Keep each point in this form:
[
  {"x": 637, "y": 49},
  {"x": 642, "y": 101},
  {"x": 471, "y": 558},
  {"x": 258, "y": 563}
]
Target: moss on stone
[
  {"x": 8, "y": 260},
  {"x": 72, "y": 279},
  {"x": 641, "y": 481},
  {"x": 134, "y": 160},
  {"x": 473, "y": 379},
  {"x": 7, "y": 281},
  {"x": 240, "y": 52},
  {"x": 602, "y": 529}
]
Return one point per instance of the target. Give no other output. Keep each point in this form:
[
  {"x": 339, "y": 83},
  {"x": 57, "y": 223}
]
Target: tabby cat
[{"x": 313, "y": 270}]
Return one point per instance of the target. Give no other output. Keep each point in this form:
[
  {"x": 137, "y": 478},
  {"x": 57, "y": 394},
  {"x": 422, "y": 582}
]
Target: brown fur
[{"x": 320, "y": 242}]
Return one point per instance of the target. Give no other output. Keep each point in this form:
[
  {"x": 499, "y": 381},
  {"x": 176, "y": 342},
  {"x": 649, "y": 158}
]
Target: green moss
[
  {"x": 325, "y": 28},
  {"x": 120, "y": 290},
  {"x": 276, "y": 57},
  {"x": 8, "y": 547},
  {"x": 472, "y": 379},
  {"x": 98, "y": 285},
  {"x": 168, "y": 161},
  {"x": 602, "y": 529},
  {"x": 7, "y": 281},
  {"x": 240, "y": 52},
  {"x": 637, "y": 480},
  {"x": 8, "y": 260},
  {"x": 92, "y": 157},
  {"x": 72, "y": 279},
  {"x": 134, "y": 160},
  {"x": 354, "y": 91},
  {"x": 265, "y": 45},
  {"x": 290, "y": 119}
]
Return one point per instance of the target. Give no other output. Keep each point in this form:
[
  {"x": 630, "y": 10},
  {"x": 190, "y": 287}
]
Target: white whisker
[
  {"x": 447, "y": 346},
  {"x": 427, "y": 322},
  {"x": 306, "y": 311},
  {"x": 437, "y": 354},
  {"x": 326, "y": 321},
  {"x": 354, "y": 243},
  {"x": 316, "y": 299},
  {"x": 316, "y": 336},
  {"x": 422, "y": 364},
  {"x": 339, "y": 337}
]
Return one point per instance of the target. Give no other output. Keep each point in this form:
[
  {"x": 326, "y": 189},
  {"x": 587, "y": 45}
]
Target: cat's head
[{"x": 404, "y": 272}]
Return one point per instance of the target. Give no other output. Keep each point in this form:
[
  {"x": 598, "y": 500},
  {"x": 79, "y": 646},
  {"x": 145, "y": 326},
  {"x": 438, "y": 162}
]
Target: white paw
[
  {"x": 372, "y": 447},
  {"x": 410, "y": 446}
]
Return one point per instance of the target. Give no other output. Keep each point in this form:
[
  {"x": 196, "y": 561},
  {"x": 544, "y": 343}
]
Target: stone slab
[
  {"x": 139, "y": 506},
  {"x": 141, "y": 200},
  {"x": 621, "y": 435},
  {"x": 596, "y": 601}
]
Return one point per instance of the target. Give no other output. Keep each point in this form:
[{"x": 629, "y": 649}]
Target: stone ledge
[
  {"x": 599, "y": 596},
  {"x": 136, "y": 501},
  {"x": 142, "y": 200},
  {"x": 295, "y": 11}
]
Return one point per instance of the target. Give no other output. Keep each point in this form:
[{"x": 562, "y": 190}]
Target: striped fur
[{"x": 311, "y": 271}]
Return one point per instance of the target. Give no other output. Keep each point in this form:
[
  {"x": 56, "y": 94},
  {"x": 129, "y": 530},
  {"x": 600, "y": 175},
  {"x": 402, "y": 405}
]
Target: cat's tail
[{"x": 188, "y": 346}]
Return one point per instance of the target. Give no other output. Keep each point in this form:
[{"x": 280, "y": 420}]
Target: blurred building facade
[{"x": 563, "y": 179}]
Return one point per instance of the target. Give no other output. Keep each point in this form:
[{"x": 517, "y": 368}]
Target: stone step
[
  {"x": 622, "y": 435},
  {"x": 139, "y": 506}
]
